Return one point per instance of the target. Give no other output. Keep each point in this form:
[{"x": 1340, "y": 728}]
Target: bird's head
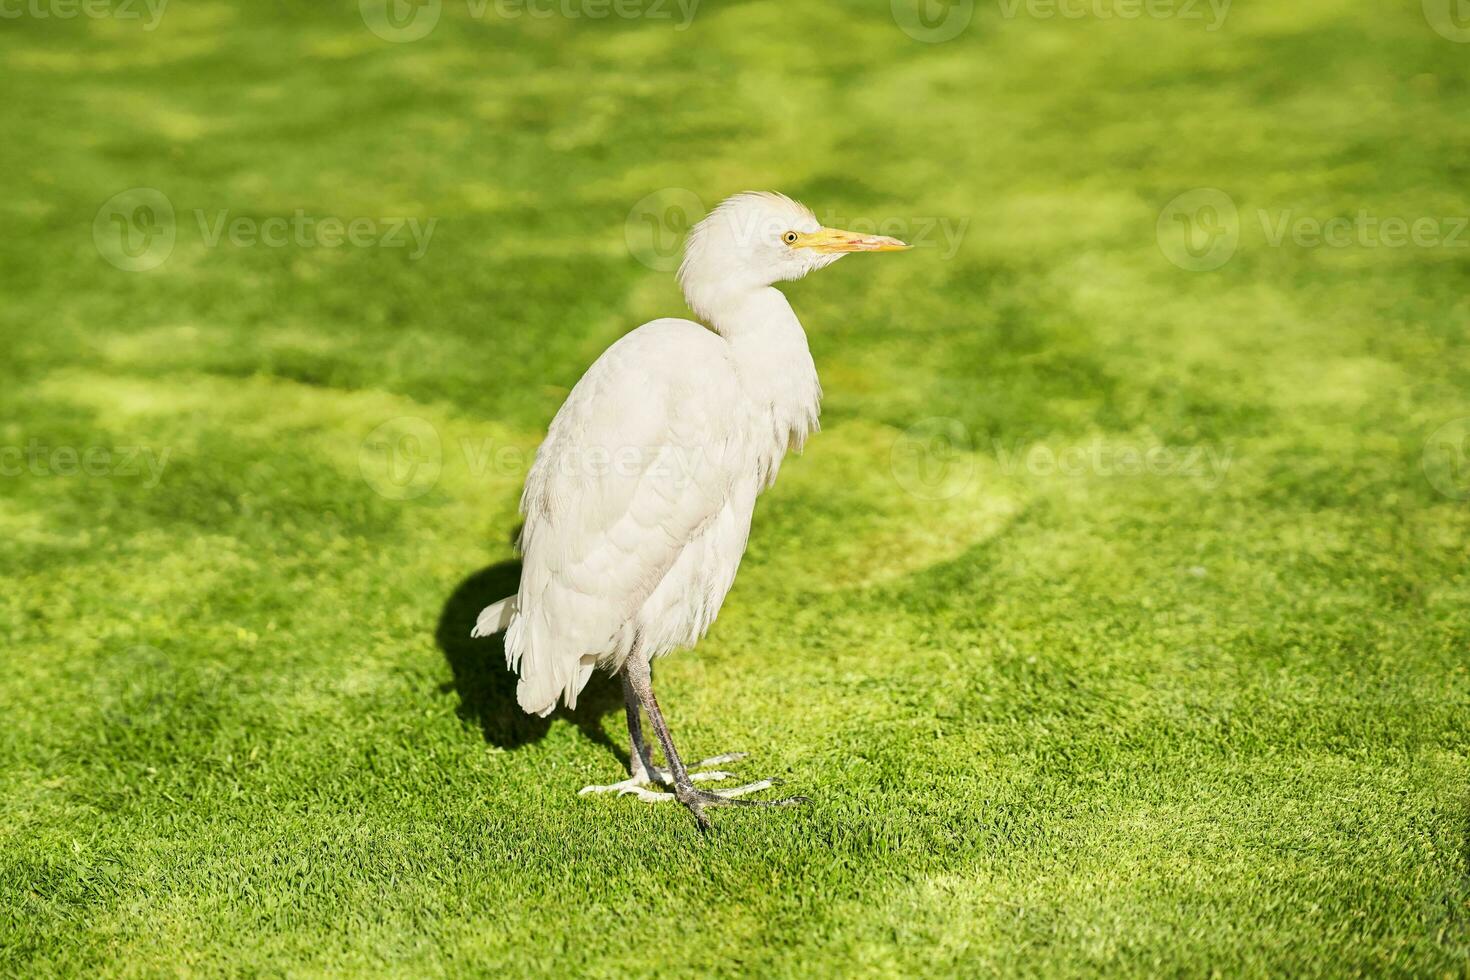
[{"x": 757, "y": 239}]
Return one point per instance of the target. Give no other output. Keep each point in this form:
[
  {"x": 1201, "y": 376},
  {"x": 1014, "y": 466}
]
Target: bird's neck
[{"x": 770, "y": 352}]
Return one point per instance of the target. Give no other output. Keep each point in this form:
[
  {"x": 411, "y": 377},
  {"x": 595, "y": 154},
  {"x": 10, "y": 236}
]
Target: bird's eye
[{"x": 789, "y": 238}]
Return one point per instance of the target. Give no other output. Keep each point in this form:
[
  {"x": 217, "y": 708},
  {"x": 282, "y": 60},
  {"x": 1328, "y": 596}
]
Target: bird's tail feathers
[
  {"x": 495, "y": 617},
  {"x": 549, "y": 671},
  {"x": 545, "y": 678}
]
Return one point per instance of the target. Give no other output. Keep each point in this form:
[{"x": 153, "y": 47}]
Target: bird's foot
[
  {"x": 638, "y": 783},
  {"x": 697, "y": 799}
]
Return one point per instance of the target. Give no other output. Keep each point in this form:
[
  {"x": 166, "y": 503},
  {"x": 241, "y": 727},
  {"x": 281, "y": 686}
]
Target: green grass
[{"x": 1055, "y": 723}]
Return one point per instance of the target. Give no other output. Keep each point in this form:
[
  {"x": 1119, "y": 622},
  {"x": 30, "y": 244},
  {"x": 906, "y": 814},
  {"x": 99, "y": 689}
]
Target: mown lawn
[{"x": 1115, "y": 623}]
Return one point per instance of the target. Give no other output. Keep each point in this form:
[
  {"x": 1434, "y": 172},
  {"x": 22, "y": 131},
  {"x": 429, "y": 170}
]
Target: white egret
[{"x": 638, "y": 505}]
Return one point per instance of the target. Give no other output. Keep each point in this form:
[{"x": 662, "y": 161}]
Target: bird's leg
[
  {"x": 640, "y": 757},
  {"x": 641, "y": 681},
  {"x": 641, "y": 770}
]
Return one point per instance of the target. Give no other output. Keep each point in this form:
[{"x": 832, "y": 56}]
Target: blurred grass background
[{"x": 1054, "y": 722}]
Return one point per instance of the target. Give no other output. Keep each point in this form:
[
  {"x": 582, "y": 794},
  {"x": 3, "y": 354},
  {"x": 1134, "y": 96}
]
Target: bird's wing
[{"x": 640, "y": 458}]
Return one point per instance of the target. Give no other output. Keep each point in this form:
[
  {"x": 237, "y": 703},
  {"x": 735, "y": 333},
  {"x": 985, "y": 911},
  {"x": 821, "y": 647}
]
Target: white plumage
[{"x": 638, "y": 505}]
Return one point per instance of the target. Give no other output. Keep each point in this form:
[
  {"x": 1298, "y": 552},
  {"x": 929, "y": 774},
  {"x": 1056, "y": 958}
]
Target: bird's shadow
[{"x": 487, "y": 690}]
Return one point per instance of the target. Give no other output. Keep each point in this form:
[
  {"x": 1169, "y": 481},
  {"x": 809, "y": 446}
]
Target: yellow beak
[{"x": 830, "y": 241}]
